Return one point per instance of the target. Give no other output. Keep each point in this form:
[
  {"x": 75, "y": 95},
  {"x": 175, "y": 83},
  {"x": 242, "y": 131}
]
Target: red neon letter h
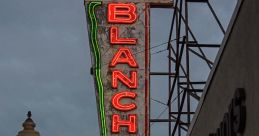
[{"x": 131, "y": 123}]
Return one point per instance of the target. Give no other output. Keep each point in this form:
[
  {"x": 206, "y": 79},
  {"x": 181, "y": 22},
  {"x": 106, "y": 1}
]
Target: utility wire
[
  {"x": 150, "y": 49},
  {"x": 166, "y": 108}
]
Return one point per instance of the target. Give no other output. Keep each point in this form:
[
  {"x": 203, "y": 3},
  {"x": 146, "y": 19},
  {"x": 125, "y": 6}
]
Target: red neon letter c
[{"x": 123, "y": 107}]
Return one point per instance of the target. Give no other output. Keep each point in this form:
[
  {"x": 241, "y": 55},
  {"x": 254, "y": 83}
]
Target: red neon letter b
[{"x": 122, "y": 13}]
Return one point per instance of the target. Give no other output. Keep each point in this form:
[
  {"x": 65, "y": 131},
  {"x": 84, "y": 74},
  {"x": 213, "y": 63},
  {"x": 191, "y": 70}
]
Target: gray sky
[{"x": 45, "y": 62}]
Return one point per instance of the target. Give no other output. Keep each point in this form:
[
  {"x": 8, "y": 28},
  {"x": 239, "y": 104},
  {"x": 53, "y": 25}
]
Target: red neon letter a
[
  {"x": 115, "y": 39},
  {"x": 123, "y": 55},
  {"x": 131, "y": 83},
  {"x": 122, "y": 13},
  {"x": 131, "y": 123}
]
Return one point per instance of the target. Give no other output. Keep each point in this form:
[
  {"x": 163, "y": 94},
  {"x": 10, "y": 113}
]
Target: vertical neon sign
[
  {"x": 119, "y": 41},
  {"x": 123, "y": 104}
]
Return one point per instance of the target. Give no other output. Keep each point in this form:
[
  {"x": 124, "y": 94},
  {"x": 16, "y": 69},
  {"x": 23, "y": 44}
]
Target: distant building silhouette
[{"x": 28, "y": 127}]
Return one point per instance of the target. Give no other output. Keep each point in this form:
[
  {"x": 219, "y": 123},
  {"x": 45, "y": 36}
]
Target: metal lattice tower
[{"x": 181, "y": 89}]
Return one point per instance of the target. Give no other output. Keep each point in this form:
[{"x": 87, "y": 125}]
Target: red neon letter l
[{"x": 115, "y": 39}]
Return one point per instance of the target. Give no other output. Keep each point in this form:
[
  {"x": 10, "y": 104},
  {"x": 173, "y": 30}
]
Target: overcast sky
[{"x": 45, "y": 62}]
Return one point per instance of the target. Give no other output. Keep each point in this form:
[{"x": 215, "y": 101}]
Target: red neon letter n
[{"x": 131, "y": 83}]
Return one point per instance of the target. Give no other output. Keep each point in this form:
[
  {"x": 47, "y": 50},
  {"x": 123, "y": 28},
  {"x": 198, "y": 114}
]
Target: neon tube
[{"x": 97, "y": 57}]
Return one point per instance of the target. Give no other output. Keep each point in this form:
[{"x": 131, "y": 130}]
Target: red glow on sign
[
  {"x": 115, "y": 39},
  {"x": 131, "y": 123},
  {"x": 124, "y": 107},
  {"x": 123, "y": 55},
  {"x": 122, "y": 13},
  {"x": 131, "y": 82}
]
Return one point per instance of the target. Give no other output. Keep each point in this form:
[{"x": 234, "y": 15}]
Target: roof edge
[{"x": 217, "y": 61}]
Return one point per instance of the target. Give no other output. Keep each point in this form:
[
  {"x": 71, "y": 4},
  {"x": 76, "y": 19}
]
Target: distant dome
[{"x": 28, "y": 127}]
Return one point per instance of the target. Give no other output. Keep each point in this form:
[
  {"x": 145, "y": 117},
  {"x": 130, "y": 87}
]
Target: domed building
[{"x": 28, "y": 127}]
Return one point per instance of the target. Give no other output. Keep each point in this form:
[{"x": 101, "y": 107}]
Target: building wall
[{"x": 237, "y": 67}]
